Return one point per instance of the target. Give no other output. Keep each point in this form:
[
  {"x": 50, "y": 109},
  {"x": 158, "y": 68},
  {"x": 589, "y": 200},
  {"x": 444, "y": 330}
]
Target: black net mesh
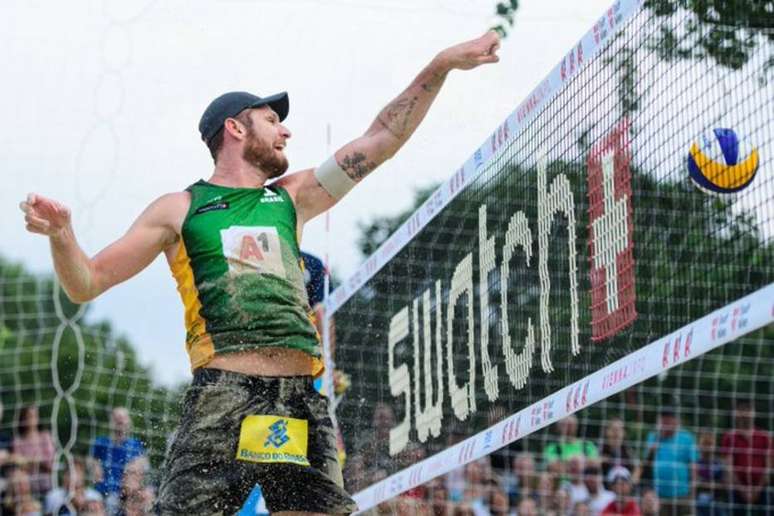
[{"x": 581, "y": 241}]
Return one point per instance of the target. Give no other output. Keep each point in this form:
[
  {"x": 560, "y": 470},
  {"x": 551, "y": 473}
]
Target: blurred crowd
[
  {"x": 111, "y": 480},
  {"x": 674, "y": 471}
]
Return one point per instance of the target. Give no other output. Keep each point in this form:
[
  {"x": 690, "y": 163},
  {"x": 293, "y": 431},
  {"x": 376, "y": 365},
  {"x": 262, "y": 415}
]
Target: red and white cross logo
[
  {"x": 611, "y": 235},
  {"x": 610, "y": 232}
]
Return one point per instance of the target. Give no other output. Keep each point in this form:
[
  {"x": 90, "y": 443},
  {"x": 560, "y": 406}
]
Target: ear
[{"x": 235, "y": 128}]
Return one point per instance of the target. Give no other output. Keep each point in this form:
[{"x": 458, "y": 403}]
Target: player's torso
[{"x": 237, "y": 269}]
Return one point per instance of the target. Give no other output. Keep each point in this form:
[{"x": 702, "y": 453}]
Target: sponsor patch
[
  {"x": 211, "y": 207},
  {"x": 253, "y": 249},
  {"x": 269, "y": 439}
]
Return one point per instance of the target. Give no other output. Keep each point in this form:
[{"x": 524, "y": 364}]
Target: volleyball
[{"x": 720, "y": 163}]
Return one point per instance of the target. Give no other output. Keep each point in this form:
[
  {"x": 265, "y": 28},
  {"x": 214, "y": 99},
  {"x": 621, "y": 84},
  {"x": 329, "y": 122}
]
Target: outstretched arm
[
  {"x": 84, "y": 278},
  {"x": 393, "y": 126}
]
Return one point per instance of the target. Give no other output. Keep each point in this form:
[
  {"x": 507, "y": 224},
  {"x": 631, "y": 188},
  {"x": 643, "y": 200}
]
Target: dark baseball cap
[
  {"x": 231, "y": 104},
  {"x": 668, "y": 410}
]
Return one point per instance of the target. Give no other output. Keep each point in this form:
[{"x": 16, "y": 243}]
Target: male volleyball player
[{"x": 251, "y": 415}]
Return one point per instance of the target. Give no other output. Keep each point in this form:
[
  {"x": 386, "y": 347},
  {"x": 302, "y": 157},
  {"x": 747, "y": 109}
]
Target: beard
[{"x": 264, "y": 156}]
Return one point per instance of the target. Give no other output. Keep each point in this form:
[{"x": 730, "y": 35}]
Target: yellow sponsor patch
[{"x": 273, "y": 439}]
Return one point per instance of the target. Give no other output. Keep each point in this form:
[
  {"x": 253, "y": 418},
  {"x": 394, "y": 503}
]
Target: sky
[{"x": 102, "y": 98}]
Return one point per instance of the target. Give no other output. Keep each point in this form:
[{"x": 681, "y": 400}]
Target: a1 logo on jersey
[{"x": 253, "y": 249}]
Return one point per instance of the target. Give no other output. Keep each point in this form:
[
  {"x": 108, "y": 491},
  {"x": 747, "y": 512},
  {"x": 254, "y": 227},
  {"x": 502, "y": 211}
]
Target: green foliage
[
  {"x": 374, "y": 233},
  {"x": 727, "y": 32},
  {"x": 95, "y": 369}
]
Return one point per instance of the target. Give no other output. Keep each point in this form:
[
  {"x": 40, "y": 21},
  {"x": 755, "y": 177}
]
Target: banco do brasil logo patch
[{"x": 278, "y": 435}]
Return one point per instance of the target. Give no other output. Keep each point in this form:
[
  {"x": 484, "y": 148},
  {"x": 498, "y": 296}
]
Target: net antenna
[{"x": 326, "y": 336}]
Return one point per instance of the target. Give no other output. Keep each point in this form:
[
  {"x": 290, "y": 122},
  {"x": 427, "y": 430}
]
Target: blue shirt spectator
[
  {"x": 115, "y": 452},
  {"x": 314, "y": 278},
  {"x": 5, "y": 437},
  {"x": 674, "y": 460}
]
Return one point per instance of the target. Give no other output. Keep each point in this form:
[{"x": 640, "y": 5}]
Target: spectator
[
  {"x": 557, "y": 454},
  {"x": 527, "y": 507},
  {"x": 37, "y": 448},
  {"x": 114, "y": 453},
  {"x": 463, "y": 510},
  {"x": 674, "y": 464},
  {"x": 616, "y": 453},
  {"x": 574, "y": 483},
  {"x": 412, "y": 454},
  {"x": 497, "y": 501},
  {"x": 651, "y": 506},
  {"x": 73, "y": 492},
  {"x": 374, "y": 443},
  {"x": 598, "y": 496},
  {"x": 581, "y": 509},
  {"x": 94, "y": 507},
  {"x": 620, "y": 480},
  {"x": 18, "y": 498},
  {"x": 547, "y": 484},
  {"x": 136, "y": 497},
  {"x": 314, "y": 281},
  {"x": 5, "y": 440},
  {"x": 477, "y": 476},
  {"x": 355, "y": 473},
  {"x": 522, "y": 482},
  {"x": 439, "y": 497},
  {"x": 748, "y": 452},
  {"x": 405, "y": 506},
  {"x": 94, "y": 470},
  {"x": 710, "y": 476},
  {"x": 562, "y": 505}
]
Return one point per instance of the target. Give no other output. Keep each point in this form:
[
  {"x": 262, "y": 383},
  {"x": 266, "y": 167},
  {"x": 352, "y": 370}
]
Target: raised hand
[
  {"x": 472, "y": 53},
  {"x": 44, "y": 216}
]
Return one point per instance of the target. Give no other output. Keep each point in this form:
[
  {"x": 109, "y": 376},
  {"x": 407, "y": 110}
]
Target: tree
[
  {"x": 726, "y": 32},
  {"x": 374, "y": 233}
]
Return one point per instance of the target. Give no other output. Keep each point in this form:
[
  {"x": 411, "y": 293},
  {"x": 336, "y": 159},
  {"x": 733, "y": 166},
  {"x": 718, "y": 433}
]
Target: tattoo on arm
[
  {"x": 435, "y": 81},
  {"x": 398, "y": 116},
  {"x": 357, "y": 165}
]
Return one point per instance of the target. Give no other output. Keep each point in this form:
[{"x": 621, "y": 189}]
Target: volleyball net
[{"x": 617, "y": 224}]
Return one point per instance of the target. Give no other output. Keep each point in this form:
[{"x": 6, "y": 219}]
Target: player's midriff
[
  {"x": 239, "y": 275},
  {"x": 271, "y": 361}
]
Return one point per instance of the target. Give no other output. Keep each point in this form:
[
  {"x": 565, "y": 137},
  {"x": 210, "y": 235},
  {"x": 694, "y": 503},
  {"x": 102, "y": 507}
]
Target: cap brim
[{"x": 279, "y": 103}]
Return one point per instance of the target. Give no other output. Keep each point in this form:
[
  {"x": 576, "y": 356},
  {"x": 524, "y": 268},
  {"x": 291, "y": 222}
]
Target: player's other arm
[
  {"x": 317, "y": 190},
  {"x": 84, "y": 278}
]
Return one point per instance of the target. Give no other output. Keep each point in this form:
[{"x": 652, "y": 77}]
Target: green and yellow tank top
[{"x": 239, "y": 274}]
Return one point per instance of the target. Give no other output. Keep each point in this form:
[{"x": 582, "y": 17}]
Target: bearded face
[{"x": 264, "y": 155}]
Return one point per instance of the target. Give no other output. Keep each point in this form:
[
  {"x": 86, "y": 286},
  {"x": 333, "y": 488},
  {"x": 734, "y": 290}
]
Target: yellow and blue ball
[{"x": 720, "y": 163}]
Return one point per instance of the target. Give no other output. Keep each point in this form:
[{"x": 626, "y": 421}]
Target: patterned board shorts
[{"x": 202, "y": 474}]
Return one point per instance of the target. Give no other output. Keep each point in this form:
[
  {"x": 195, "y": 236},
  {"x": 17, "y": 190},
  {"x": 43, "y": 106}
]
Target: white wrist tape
[{"x": 333, "y": 179}]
